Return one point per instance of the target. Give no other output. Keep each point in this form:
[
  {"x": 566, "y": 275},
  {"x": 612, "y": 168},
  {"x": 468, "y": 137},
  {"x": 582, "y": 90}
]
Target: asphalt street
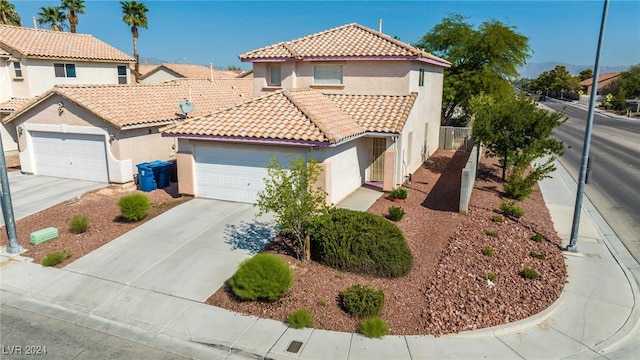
[{"x": 614, "y": 181}]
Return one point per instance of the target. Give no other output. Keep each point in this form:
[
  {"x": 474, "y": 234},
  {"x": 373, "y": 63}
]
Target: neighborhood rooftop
[
  {"x": 302, "y": 115},
  {"x": 46, "y": 44},
  {"x": 130, "y": 106},
  {"x": 351, "y": 41},
  {"x": 193, "y": 71}
]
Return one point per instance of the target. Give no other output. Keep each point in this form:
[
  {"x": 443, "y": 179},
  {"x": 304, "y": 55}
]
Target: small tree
[
  {"x": 518, "y": 132},
  {"x": 290, "y": 193}
]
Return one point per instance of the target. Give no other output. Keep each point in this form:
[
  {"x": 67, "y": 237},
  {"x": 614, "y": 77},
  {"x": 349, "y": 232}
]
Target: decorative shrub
[
  {"x": 301, "y": 318},
  {"x": 56, "y": 257},
  {"x": 374, "y": 327},
  {"x": 264, "y": 276},
  {"x": 538, "y": 255},
  {"x": 490, "y": 276},
  {"x": 396, "y": 213},
  {"x": 518, "y": 187},
  {"x": 529, "y": 273},
  {"x": 497, "y": 219},
  {"x": 492, "y": 233},
  {"x": 537, "y": 237},
  {"x": 362, "y": 301},
  {"x": 360, "y": 242},
  {"x": 322, "y": 302},
  {"x": 509, "y": 208},
  {"x": 399, "y": 193},
  {"x": 134, "y": 207},
  {"x": 487, "y": 251},
  {"x": 79, "y": 224}
]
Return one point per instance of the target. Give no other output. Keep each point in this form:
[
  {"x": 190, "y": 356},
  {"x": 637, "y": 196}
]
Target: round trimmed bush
[
  {"x": 362, "y": 300},
  {"x": 134, "y": 207},
  {"x": 301, "y": 318},
  {"x": 374, "y": 327},
  {"x": 264, "y": 276},
  {"x": 360, "y": 242},
  {"x": 79, "y": 224}
]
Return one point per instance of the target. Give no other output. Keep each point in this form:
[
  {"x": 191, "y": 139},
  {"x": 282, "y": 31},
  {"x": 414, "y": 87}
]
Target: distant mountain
[{"x": 533, "y": 70}]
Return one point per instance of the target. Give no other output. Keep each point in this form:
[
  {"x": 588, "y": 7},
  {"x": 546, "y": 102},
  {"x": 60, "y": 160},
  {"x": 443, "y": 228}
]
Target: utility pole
[
  {"x": 573, "y": 246},
  {"x": 7, "y": 207}
]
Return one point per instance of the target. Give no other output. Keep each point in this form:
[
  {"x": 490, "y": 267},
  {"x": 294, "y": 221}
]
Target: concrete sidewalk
[{"x": 596, "y": 317}]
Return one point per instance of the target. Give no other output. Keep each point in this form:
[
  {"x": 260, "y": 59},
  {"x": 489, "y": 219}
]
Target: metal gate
[{"x": 455, "y": 138}]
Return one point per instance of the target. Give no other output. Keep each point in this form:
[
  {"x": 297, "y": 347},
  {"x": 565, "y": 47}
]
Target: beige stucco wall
[
  {"x": 359, "y": 77},
  {"x": 6, "y": 75},
  {"x": 142, "y": 145},
  {"x": 159, "y": 76},
  {"x": 39, "y": 76}
]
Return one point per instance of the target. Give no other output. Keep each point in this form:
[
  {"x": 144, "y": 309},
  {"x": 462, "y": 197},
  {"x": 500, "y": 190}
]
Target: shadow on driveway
[{"x": 250, "y": 236}]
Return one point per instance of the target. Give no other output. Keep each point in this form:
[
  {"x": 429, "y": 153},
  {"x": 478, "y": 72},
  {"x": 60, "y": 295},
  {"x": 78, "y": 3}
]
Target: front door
[{"x": 376, "y": 170}]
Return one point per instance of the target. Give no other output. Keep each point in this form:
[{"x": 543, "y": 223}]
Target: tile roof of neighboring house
[
  {"x": 144, "y": 69},
  {"x": 601, "y": 78},
  {"x": 46, "y": 44},
  {"x": 192, "y": 71},
  {"x": 246, "y": 74},
  {"x": 145, "y": 105},
  {"x": 301, "y": 115},
  {"x": 351, "y": 41},
  {"x": 13, "y": 104}
]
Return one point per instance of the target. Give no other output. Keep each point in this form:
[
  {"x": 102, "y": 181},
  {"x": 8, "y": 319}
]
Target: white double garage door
[
  {"x": 233, "y": 174},
  {"x": 74, "y": 156}
]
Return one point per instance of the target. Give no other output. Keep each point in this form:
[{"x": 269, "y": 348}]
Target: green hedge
[
  {"x": 362, "y": 301},
  {"x": 360, "y": 242}
]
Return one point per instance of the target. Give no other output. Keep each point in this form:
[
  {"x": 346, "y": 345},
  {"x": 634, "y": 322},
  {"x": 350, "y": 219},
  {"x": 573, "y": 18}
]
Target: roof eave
[
  {"x": 352, "y": 58},
  {"x": 238, "y": 139}
]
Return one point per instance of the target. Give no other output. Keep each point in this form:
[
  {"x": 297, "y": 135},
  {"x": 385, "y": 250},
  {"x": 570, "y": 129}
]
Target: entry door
[{"x": 376, "y": 170}]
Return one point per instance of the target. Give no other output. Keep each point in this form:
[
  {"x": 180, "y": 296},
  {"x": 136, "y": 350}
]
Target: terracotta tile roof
[
  {"x": 144, "y": 105},
  {"x": 13, "y": 104},
  {"x": 4, "y": 52},
  {"x": 351, "y": 41},
  {"x": 46, "y": 44},
  {"x": 301, "y": 115},
  {"x": 192, "y": 71},
  {"x": 601, "y": 78},
  {"x": 144, "y": 69},
  {"x": 377, "y": 113}
]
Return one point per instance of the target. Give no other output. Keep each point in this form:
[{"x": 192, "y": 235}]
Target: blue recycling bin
[
  {"x": 146, "y": 178},
  {"x": 161, "y": 172}
]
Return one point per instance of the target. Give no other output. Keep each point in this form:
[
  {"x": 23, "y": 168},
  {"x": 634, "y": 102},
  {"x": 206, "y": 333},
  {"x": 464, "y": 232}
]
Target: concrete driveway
[
  {"x": 187, "y": 252},
  {"x": 33, "y": 193}
]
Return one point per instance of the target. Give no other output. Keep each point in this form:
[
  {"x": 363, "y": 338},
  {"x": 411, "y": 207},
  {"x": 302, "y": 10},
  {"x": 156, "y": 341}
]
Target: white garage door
[
  {"x": 72, "y": 156},
  {"x": 233, "y": 175}
]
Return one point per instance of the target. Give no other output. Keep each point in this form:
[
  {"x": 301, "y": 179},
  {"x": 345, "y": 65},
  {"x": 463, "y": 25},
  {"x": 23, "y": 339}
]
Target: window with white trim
[
  {"x": 122, "y": 74},
  {"x": 327, "y": 74},
  {"x": 17, "y": 69},
  {"x": 275, "y": 75},
  {"x": 65, "y": 70}
]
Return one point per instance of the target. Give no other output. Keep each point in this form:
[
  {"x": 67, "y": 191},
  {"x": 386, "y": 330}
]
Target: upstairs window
[
  {"x": 275, "y": 75},
  {"x": 421, "y": 78},
  {"x": 65, "y": 70},
  {"x": 327, "y": 74},
  {"x": 122, "y": 74},
  {"x": 17, "y": 68}
]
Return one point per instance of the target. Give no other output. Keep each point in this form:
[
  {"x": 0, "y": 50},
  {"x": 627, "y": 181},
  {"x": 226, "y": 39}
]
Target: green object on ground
[{"x": 40, "y": 236}]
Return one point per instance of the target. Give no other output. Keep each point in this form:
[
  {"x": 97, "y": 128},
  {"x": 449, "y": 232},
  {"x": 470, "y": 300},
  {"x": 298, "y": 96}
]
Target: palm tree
[
  {"x": 73, "y": 7},
  {"x": 53, "y": 15},
  {"x": 134, "y": 14},
  {"x": 8, "y": 14}
]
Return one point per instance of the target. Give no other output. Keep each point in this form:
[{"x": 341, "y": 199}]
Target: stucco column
[
  {"x": 388, "y": 181},
  {"x": 186, "y": 168},
  {"x": 324, "y": 180}
]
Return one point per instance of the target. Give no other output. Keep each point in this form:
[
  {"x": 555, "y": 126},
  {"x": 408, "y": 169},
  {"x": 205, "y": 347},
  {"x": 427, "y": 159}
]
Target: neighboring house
[
  {"x": 606, "y": 84},
  {"x": 364, "y": 105},
  {"x": 100, "y": 132},
  {"x": 32, "y": 61},
  {"x": 164, "y": 72}
]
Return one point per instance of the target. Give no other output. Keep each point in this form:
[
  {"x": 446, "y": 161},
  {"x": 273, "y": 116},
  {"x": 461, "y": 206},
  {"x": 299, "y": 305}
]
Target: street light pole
[
  {"x": 7, "y": 207},
  {"x": 573, "y": 246}
]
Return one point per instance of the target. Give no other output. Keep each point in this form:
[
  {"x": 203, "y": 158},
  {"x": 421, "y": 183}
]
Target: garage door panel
[
  {"x": 73, "y": 156},
  {"x": 228, "y": 174}
]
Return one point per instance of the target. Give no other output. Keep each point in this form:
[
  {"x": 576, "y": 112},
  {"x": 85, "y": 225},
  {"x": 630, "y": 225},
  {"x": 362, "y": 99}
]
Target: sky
[{"x": 208, "y": 31}]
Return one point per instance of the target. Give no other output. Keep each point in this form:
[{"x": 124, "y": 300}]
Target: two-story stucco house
[
  {"x": 364, "y": 105},
  {"x": 33, "y": 61}
]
